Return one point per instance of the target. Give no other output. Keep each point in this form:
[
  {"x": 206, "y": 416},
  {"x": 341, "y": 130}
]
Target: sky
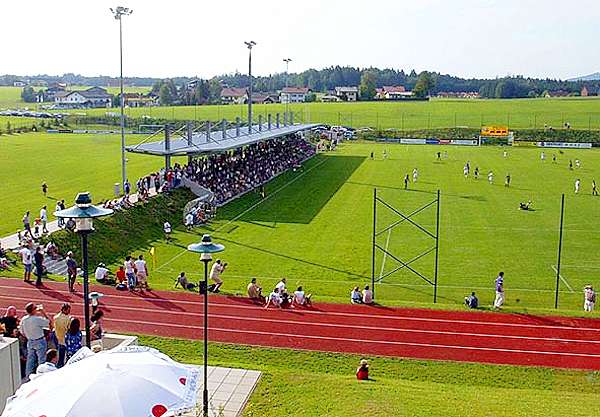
[{"x": 467, "y": 38}]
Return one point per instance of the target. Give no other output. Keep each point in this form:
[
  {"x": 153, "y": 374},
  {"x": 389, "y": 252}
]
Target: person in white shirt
[
  {"x": 50, "y": 364},
  {"x": 589, "y": 299},
  {"x": 356, "y": 296},
  {"x": 274, "y": 298},
  {"x": 491, "y": 177},
  {"x": 415, "y": 175},
  {"x": 367, "y": 295},
  {"x": 300, "y": 298},
  {"x": 27, "y": 258},
  {"x": 130, "y": 273},
  {"x": 215, "y": 274},
  {"x": 32, "y": 326},
  {"x": 167, "y": 230},
  {"x": 142, "y": 272},
  {"x": 101, "y": 273},
  {"x": 577, "y": 184},
  {"x": 189, "y": 221},
  {"x": 543, "y": 156},
  {"x": 44, "y": 219}
]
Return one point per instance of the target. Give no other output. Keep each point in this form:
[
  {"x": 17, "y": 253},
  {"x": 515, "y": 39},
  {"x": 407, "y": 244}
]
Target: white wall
[{"x": 10, "y": 369}]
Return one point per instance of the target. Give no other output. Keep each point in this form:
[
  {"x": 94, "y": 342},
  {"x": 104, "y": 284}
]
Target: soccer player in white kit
[
  {"x": 491, "y": 177},
  {"x": 543, "y": 156},
  {"x": 589, "y": 298},
  {"x": 466, "y": 171},
  {"x": 577, "y": 184},
  {"x": 415, "y": 175}
]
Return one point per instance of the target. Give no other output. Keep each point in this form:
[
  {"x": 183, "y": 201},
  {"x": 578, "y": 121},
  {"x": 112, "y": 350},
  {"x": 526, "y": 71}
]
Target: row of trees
[{"x": 199, "y": 92}]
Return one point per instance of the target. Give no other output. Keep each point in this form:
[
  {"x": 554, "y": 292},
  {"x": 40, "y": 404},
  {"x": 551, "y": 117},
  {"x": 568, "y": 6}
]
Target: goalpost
[{"x": 402, "y": 217}]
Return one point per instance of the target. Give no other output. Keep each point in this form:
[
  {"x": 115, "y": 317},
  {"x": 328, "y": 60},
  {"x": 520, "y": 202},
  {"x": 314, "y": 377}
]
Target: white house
[
  {"x": 347, "y": 93},
  {"x": 293, "y": 94},
  {"x": 94, "y": 97},
  {"x": 234, "y": 95},
  {"x": 397, "y": 92}
]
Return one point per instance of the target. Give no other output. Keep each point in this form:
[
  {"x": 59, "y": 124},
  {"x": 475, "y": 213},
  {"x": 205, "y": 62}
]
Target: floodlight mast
[
  {"x": 118, "y": 13},
  {"x": 250, "y": 44},
  {"x": 287, "y": 67}
]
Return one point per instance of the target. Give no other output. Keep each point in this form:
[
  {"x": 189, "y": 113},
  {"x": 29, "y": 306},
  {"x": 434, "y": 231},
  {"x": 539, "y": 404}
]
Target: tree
[
  {"x": 425, "y": 83},
  {"x": 28, "y": 94},
  {"x": 214, "y": 90},
  {"x": 310, "y": 98},
  {"x": 368, "y": 83},
  {"x": 164, "y": 95}
]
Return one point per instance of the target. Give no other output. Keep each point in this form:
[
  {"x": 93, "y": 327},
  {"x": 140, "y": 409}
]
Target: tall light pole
[
  {"x": 287, "y": 76},
  {"x": 84, "y": 212},
  {"x": 119, "y": 12},
  {"x": 250, "y": 45},
  {"x": 206, "y": 247}
]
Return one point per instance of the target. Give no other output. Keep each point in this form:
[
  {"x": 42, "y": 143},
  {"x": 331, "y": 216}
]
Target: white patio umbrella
[{"x": 133, "y": 381}]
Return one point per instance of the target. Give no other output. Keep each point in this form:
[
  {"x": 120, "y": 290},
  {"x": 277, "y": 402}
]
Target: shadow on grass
[
  {"x": 300, "y": 201},
  {"x": 414, "y": 190},
  {"x": 293, "y": 258}
]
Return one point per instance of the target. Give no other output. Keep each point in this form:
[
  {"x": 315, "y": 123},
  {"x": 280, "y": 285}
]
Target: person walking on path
[
  {"x": 32, "y": 327},
  {"x": 27, "y": 225},
  {"x": 44, "y": 219},
  {"x": 499, "y": 301},
  {"x": 38, "y": 258},
  {"x": 60, "y": 205},
  {"x": 71, "y": 271}
]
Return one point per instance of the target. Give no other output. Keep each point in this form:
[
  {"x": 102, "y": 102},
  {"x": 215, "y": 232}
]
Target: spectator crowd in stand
[{"x": 233, "y": 173}]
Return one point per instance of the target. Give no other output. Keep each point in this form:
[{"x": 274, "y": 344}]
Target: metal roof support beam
[
  {"x": 224, "y": 129},
  {"x": 277, "y": 120},
  {"x": 167, "y": 147},
  {"x": 269, "y": 121},
  {"x": 260, "y": 122},
  {"x": 189, "y": 133},
  {"x": 285, "y": 118},
  {"x": 292, "y": 118},
  {"x": 208, "y": 128},
  {"x": 237, "y": 127}
]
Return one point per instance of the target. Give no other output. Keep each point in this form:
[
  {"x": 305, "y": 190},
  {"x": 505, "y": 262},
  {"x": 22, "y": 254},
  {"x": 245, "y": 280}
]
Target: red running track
[{"x": 513, "y": 339}]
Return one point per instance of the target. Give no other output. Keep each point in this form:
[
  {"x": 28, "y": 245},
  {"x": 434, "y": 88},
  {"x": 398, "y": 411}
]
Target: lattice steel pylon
[{"x": 406, "y": 264}]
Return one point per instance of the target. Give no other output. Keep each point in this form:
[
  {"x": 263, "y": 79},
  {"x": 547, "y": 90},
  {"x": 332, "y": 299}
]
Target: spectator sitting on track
[
  {"x": 356, "y": 296},
  {"x": 471, "y": 301},
  {"x": 255, "y": 292},
  {"x": 183, "y": 281},
  {"x": 300, "y": 298},
  {"x": 101, "y": 274},
  {"x": 283, "y": 292},
  {"x": 589, "y": 298},
  {"x": 367, "y": 295},
  {"x": 50, "y": 364},
  {"x": 121, "y": 278},
  {"x": 274, "y": 298},
  {"x": 362, "y": 372}
]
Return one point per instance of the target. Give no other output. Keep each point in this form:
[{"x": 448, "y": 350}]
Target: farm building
[
  {"x": 140, "y": 100},
  {"x": 588, "y": 91},
  {"x": 293, "y": 94},
  {"x": 234, "y": 95},
  {"x": 347, "y": 93},
  {"x": 396, "y": 92},
  {"x": 94, "y": 97}
]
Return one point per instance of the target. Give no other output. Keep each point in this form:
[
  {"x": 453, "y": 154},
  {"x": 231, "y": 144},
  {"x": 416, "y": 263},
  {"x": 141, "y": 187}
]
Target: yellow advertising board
[{"x": 494, "y": 131}]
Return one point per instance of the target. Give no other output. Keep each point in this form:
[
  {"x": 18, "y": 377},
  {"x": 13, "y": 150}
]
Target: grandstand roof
[{"x": 201, "y": 144}]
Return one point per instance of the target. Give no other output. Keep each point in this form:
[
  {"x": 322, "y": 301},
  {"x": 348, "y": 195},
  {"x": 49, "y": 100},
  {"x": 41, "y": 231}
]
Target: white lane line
[
  {"x": 329, "y": 325},
  {"x": 563, "y": 279},
  {"x": 258, "y": 203},
  {"x": 360, "y": 341},
  {"x": 341, "y": 314},
  {"x": 387, "y": 244}
]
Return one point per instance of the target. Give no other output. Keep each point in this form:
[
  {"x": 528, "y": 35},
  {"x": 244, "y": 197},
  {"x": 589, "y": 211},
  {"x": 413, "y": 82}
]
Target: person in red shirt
[
  {"x": 362, "y": 372},
  {"x": 120, "y": 274}
]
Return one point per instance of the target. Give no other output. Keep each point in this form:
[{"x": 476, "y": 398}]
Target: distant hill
[{"x": 592, "y": 77}]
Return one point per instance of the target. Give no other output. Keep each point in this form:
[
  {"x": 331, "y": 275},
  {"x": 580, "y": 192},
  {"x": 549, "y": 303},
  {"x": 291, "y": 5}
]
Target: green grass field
[
  {"x": 581, "y": 113},
  {"x": 315, "y": 226},
  {"x": 293, "y": 384}
]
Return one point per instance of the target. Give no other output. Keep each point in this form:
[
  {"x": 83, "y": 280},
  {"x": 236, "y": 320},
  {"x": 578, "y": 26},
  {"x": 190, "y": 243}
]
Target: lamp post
[
  {"x": 205, "y": 248},
  {"x": 119, "y": 12},
  {"x": 287, "y": 76},
  {"x": 84, "y": 212},
  {"x": 250, "y": 45}
]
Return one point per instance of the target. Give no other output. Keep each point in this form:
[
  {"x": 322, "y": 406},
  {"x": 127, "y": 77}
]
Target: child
[{"x": 362, "y": 372}]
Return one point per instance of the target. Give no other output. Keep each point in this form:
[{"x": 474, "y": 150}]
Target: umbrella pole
[
  {"x": 86, "y": 287},
  {"x": 205, "y": 392}
]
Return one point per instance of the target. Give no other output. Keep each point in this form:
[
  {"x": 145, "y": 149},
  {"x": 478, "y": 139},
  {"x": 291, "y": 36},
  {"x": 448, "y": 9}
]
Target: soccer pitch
[{"x": 315, "y": 227}]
